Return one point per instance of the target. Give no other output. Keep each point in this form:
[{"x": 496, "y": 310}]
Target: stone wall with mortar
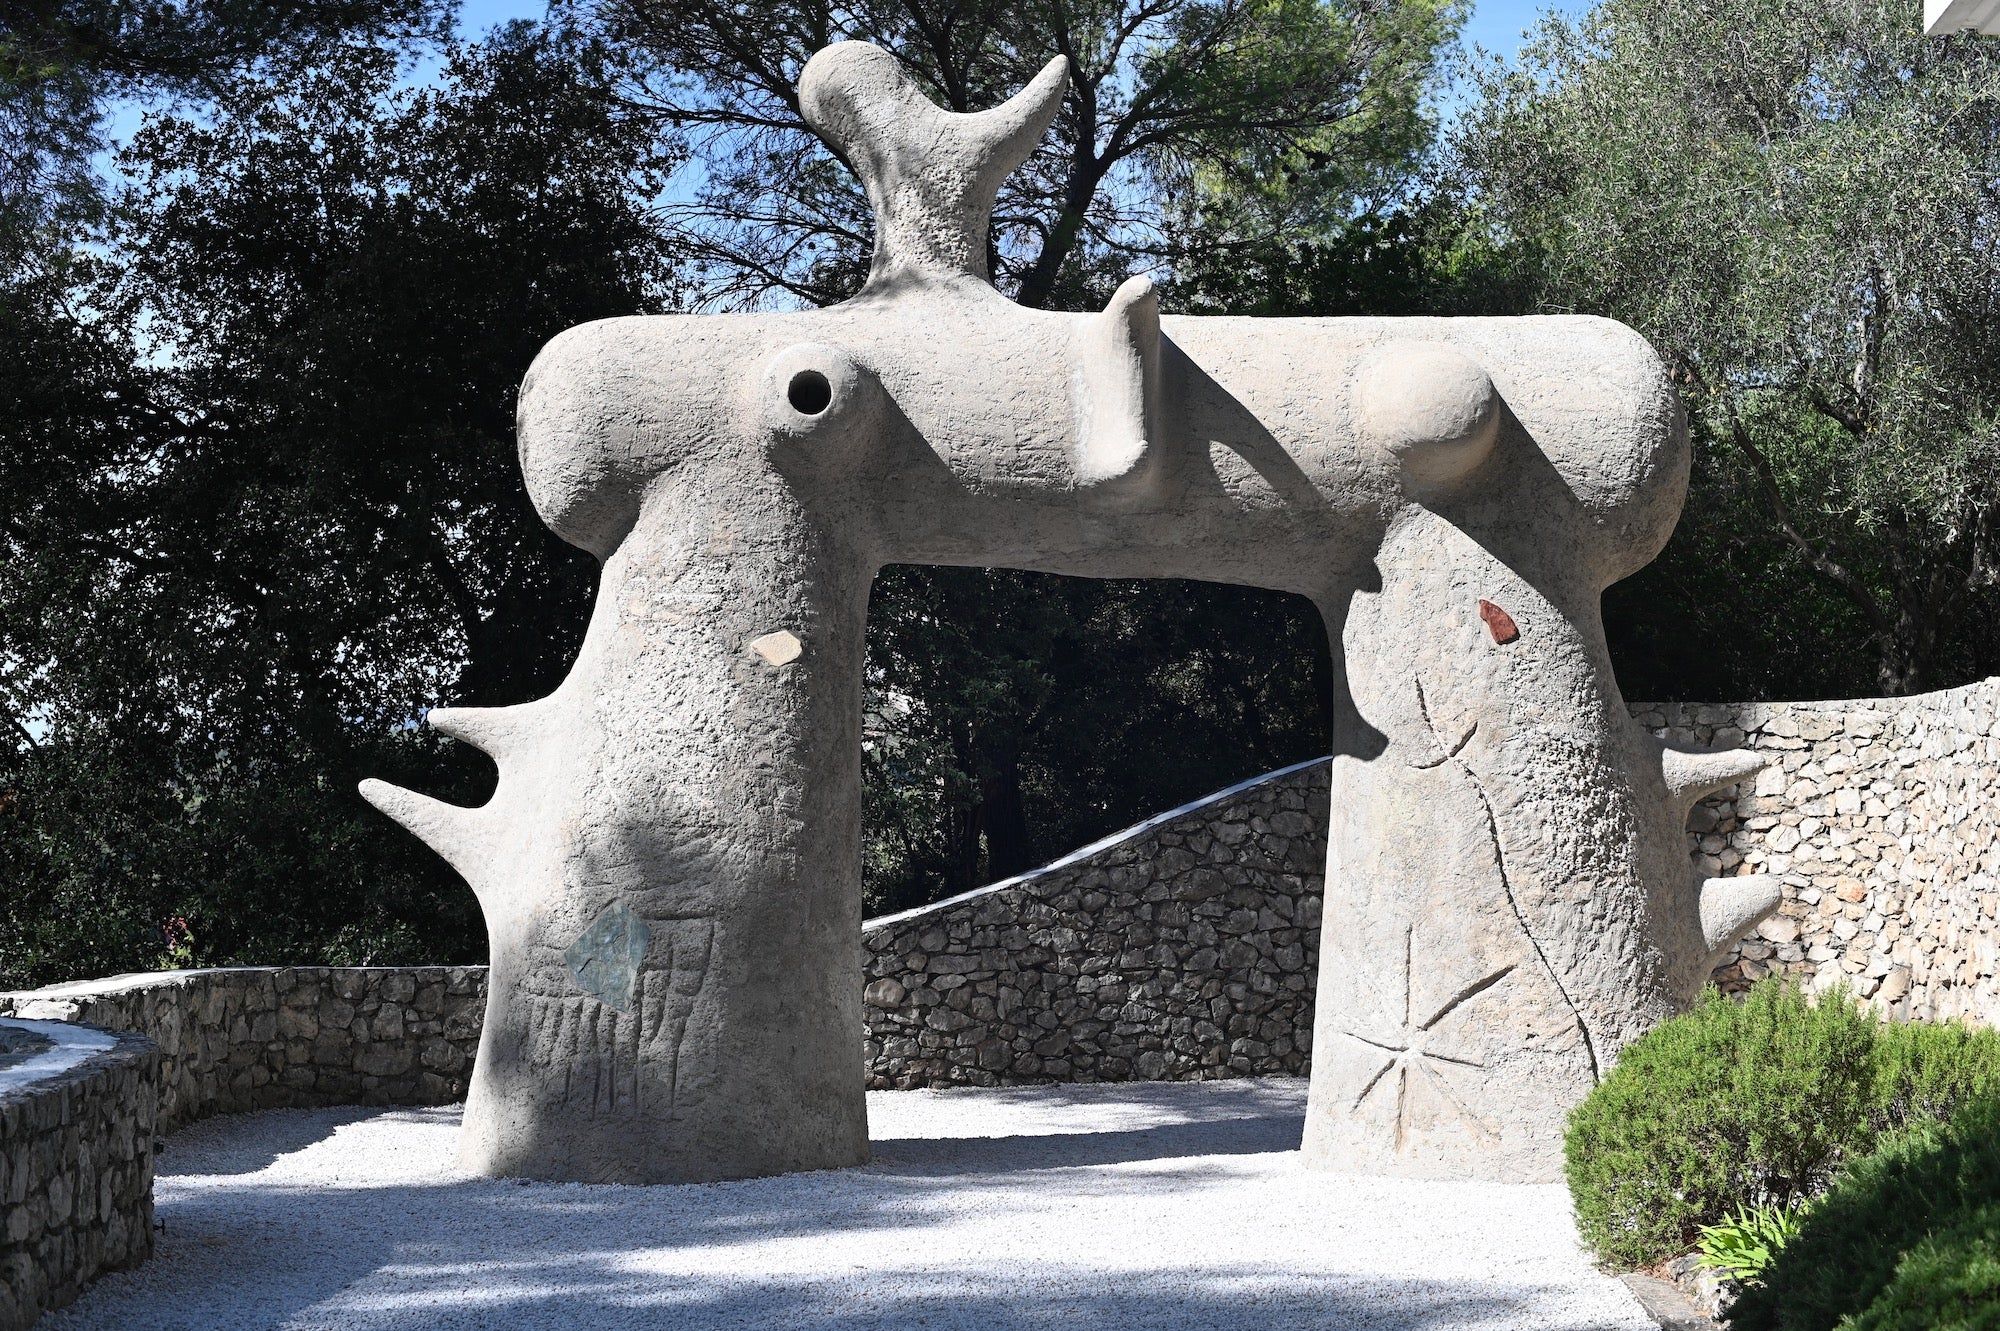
[
  {"x": 76, "y": 1166},
  {"x": 248, "y": 1038},
  {"x": 1182, "y": 948},
  {"x": 1882, "y": 818}
]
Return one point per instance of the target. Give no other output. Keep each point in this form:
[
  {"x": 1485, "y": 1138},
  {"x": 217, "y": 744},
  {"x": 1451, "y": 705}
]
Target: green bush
[
  {"x": 1927, "y": 1071},
  {"x": 1735, "y": 1103},
  {"x": 1949, "y": 1282},
  {"x": 1906, "y": 1239}
]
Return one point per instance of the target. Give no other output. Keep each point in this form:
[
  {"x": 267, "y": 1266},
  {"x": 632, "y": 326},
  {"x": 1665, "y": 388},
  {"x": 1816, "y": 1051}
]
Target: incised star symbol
[{"x": 1408, "y": 1054}]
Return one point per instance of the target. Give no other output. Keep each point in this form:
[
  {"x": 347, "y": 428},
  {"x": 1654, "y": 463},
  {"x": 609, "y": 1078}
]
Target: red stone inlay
[{"x": 1499, "y": 623}]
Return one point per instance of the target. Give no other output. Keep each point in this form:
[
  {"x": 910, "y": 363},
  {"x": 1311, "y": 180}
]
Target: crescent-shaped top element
[{"x": 931, "y": 174}]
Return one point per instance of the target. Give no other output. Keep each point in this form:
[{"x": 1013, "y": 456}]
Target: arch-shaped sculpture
[{"x": 669, "y": 866}]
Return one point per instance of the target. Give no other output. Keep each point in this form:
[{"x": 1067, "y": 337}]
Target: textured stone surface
[
  {"x": 1881, "y": 818},
  {"x": 248, "y": 1038},
  {"x": 743, "y": 477},
  {"x": 1185, "y": 948},
  {"x": 76, "y": 1174}
]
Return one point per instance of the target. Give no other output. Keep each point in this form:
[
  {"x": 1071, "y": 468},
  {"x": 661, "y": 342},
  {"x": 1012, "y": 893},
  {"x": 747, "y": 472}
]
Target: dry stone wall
[
  {"x": 1186, "y": 947},
  {"x": 1882, "y": 818},
  {"x": 77, "y": 1122},
  {"x": 248, "y": 1038},
  {"x": 1182, "y": 948}
]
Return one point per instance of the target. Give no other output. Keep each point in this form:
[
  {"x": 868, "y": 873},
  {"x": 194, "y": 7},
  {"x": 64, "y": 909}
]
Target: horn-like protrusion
[
  {"x": 1118, "y": 384},
  {"x": 931, "y": 174},
  {"x": 494, "y": 731},
  {"x": 1693, "y": 775},
  {"x": 1732, "y": 907},
  {"x": 451, "y": 830}
]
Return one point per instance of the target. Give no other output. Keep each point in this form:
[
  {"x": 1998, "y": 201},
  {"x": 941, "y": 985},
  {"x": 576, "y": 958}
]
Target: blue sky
[{"x": 1495, "y": 24}]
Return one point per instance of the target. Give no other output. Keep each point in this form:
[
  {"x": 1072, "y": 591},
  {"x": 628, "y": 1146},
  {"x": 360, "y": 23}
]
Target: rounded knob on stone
[{"x": 1432, "y": 408}]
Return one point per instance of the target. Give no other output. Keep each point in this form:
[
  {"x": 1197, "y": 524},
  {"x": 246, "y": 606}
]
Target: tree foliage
[
  {"x": 1016, "y": 716},
  {"x": 262, "y": 500},
  {"x": 1797, "y": 204},
  {"x": 262, "y": 505},
  {"x": 61, "y": 61},
  {"x": 1291, "y": 102}
]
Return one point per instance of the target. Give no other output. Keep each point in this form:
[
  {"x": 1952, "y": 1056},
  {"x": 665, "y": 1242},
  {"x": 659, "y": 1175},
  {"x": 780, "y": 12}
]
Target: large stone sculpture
[{"x": 669, "y": 867}]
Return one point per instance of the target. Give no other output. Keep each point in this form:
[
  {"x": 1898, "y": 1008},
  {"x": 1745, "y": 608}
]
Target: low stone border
[
  {"x": 1667, "y": 1303},
  {"x": 1708, "y": 1292},
  {"x": 247, "y": 1038},
  {"x": 77, "y": 1122}
]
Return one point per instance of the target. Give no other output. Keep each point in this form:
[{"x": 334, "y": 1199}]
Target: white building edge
[{"x": 1942, "y": 17}]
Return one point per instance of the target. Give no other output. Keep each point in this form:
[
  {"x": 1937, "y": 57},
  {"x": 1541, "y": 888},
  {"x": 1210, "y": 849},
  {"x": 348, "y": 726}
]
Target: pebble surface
[{"x": 1139, "y": 1206}]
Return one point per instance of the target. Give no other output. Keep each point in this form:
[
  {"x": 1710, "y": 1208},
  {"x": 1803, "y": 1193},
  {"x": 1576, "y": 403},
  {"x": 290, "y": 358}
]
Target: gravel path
[{"x": 1138, "y": 1206}]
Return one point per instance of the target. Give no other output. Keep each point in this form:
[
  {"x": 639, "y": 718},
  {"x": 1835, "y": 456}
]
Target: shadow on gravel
[
  {"x": 222, "y": 1152},
  {"x": 324, "y": 1239},
  {"x": 952, "y": 1156},
  {"x": 1210, "y": 1299}
]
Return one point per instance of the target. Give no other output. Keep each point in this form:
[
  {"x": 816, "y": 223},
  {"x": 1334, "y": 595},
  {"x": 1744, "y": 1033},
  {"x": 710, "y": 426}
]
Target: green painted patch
[{"x": 605, "y": 957}]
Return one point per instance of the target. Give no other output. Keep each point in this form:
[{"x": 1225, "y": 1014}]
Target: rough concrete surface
[
  {"x": 1162, "y": 1207},
  {"x": 669, "y": 867}
]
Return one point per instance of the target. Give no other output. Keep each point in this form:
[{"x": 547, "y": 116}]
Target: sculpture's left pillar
[{"x": 673, "y": 891}]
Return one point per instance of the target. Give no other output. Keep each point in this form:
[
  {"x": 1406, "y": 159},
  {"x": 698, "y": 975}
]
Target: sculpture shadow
[
  {"x": 366, "y": 1246},
  {"x": 215, "y": 1147}
]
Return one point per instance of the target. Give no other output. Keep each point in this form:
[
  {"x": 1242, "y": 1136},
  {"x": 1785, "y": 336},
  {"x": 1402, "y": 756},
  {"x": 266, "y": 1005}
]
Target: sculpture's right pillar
[{"x": 1508, "y": 896}]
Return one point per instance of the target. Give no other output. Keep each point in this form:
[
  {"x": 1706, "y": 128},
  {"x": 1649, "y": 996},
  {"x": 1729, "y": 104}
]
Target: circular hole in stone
[{"x": 809, "y": 393}]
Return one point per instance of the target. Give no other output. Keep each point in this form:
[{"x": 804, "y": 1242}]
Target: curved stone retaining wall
[
  {"x": 1184, "y": 947},
  {"x": 77, "y": 1120},
  {"x": 1882, "y": 817},
  {"x": 279, "y": 1037}
]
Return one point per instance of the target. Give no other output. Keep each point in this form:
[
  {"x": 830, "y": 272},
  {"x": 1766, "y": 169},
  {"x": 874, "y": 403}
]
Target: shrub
[
  {"x": 1906, "y": 1239},
  {"x": 1735, "y": 1103},
  {"x": 1928, "y": 1071},
  {"x": 1949, "y": 1282}
]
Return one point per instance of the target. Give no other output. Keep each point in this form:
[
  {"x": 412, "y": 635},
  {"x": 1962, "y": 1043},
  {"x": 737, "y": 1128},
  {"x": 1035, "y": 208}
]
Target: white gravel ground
[{"x": 1168, "y": 1206}]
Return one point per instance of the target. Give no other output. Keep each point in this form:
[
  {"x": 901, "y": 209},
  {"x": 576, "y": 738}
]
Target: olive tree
[{"x": 1799, "y": 205}]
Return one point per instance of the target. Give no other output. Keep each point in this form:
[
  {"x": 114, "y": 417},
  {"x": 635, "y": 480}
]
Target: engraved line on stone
[
  {"x": 1507, "y": 885},
  {"x": 1402, "y": 1104},
  {"x": 1467, "y": 994},
  {"x": 1373, "y": 1081},
  {"x": 1443, "y": 1091},
  {"x": 1444, "y": 755}
]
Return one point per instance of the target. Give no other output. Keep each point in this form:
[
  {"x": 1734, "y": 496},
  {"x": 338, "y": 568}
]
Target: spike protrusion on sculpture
[
  {"x": 1732, "y": 907},
  {"x": 494, "y": 731},
  {"x": 1118, "y": 384},
  {"x": 931, "y": 175},
  {"x": 457, "y": 833},
  {"x": 1693, "y": 775},
  {"x": 453, "y": 831}
]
